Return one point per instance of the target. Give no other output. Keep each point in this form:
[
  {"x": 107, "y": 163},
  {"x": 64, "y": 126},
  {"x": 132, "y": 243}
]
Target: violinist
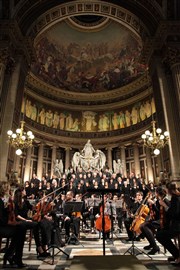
[
  {"x": 149, "y": 227},
  {"x": 132, "y": 210},
  {"x": 40, "y": 231},
  {"x": 69, "y": 219},
  {"x": 165, "y": 235},
  {"x": 16, "y": 232}
]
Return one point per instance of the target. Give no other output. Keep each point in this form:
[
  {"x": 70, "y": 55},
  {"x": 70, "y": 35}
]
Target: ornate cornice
[
  {"x": 101, "y": 8},
  {"x": 102, "y": 139},
  {"x": 171, "y": 56},
  {"x": 45, "y": 90}
]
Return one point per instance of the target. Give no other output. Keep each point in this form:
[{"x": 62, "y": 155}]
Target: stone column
[
  {"x": 3, "y": 60},
  {"x": 123, "y": 160},
  {"x": 171, "y": 106},
  {"x": 109, "y": 157},
  {"x": 7, "y": 121},
  {"x": 27, "y": 171},
  {"x": 40, "y": 161},
  {"x": 53, "y": 158},
  {"x": 136, "y": 160},
  {"x": 16, "y": 163},
  {"x": 174, "y": 59},
  {"x": 67, "y": 158},
  {"x": 149, "y": 170}
]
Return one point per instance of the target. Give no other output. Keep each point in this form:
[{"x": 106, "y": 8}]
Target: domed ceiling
[{"x": 105, "y": 57}]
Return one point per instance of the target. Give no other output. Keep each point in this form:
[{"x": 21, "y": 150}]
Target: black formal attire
[
  {"x": 165, "y": 235},
  {"x": 149, "y": 227},
  {"x": 75, "y": 220},
  {"x": 41, "y": 229},
  {"x": 17, "y": 234},
  {"x": 128, "y": 220}
]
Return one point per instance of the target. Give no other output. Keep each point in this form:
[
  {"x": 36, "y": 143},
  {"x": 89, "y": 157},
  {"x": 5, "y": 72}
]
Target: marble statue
[
  {"x": 117, "y": 166},
  {"x": 58, "y": 168},
  {"x": 89, "y": 158}
]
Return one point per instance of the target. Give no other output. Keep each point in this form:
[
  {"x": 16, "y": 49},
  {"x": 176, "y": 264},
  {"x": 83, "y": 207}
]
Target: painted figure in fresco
[
  {"x": 134, "y": 115},
  {"x": 122, "y": 120},
  {"x": 100, "y": 122},
  {"x": 69, "y": 122},
  {"x": 34, "y": 113},
  {"x": 153, "y": 107},
  {"x": 115, "y": 121},
  {"x": 142, "y": 112},
  {"x": 75, "y": 126},
  {"x": 147, "y": 108},
  {"x": 62, "y": 118},
  {"x": 28, "y": 109},
  {"x": 49, "y": 118},
  {"x": 42, "y": 116},
  {"x": 105, "y": 122},
  {"x": 89, "y": 120},
  {"x": 56, "y": 120},
  {"x": 127, "y": 118}
]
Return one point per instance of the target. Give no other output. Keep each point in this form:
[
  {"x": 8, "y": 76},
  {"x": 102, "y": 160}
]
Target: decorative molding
[
  {"x": 75, "y": 8},
  {"x": 44, "y": 90}
]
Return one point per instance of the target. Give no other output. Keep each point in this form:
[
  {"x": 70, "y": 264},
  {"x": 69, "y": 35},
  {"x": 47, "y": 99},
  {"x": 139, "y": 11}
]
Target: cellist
[
  {"x": 132, "y": 210},
  {"x": 150, "y": 226}
]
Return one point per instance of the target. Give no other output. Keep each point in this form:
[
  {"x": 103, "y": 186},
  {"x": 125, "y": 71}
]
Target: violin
[
  {"x": 42, "y": 208},
  {"x": 11, "y": 213}
]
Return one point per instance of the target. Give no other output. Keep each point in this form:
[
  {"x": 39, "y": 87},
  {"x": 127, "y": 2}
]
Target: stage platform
[{"x": 115, "y": 262}]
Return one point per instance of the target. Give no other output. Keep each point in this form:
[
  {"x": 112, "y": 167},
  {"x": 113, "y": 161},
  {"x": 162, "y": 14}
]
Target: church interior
[{"x": 91, "y": 88}]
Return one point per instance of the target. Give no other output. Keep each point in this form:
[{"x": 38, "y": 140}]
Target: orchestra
[{"x": 144, "y": 211}]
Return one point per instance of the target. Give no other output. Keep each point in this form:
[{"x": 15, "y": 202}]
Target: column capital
[{"x": 172, "y": 56}]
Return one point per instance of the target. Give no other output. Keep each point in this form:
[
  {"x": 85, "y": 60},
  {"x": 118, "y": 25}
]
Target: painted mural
[
  {"x": 88, "y": 61},
  {"x": 89, "y": 121}
]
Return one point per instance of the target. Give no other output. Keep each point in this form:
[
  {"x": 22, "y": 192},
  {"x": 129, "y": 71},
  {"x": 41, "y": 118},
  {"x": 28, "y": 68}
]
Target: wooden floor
[{"x": 89, "y": 254}]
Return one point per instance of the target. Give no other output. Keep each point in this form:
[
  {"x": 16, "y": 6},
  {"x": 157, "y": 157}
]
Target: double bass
[{"x": 99, "y": 222}]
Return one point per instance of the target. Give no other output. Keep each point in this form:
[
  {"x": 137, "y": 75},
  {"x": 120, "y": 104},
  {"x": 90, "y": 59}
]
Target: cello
[
  {"x": 140, "y": 216},
  {"x": 99, "y": 221}
]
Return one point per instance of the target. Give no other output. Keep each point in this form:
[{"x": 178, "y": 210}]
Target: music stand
[
  {"x": 69, "y": 208},
  {"x": 53, "y": 245},
  {"x": 133, "y": 250}
]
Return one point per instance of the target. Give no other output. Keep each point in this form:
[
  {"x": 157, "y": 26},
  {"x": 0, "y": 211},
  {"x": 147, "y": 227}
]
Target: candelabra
[
  {"x": 20, "y": 139},
  {"x": 155, "y": 139}
]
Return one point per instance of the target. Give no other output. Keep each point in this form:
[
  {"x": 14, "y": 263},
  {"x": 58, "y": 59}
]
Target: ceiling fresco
[{"x": 76, "y": 60}]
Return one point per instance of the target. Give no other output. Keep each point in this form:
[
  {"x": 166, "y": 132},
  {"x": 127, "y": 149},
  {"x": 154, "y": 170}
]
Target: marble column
[
  {"x": 2, "y": 68},
  {"x": 67, "y": 158},
  {"x": 40, "y": 161},
  {"x": 171, "y": 108},
  {"x": 53, "y": 158},
  {"x": 109, "y": 157},
  {"x": 149, "y": 170},
  {"x": 28, "y": 165},
  {"x": 136, "y": 160},
  {"x": 16, "y": 163},
  {"x": 175, "y": 67},
  {"x": 123, "y": 160},
  {"x": 7, "y": 121}
]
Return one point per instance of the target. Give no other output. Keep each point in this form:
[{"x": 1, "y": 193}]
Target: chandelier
[
  {"x": 20, "y": 139},
  {"x": 155, "y": 139}
]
